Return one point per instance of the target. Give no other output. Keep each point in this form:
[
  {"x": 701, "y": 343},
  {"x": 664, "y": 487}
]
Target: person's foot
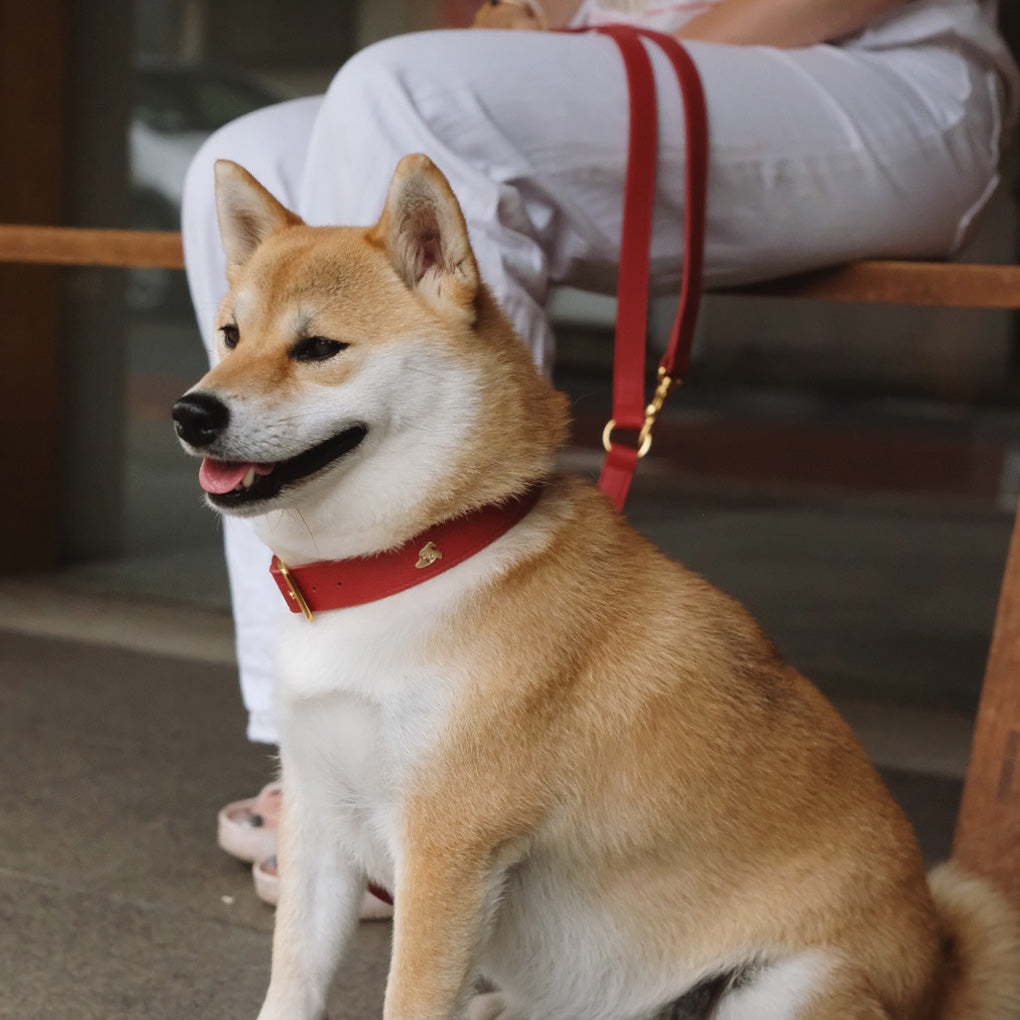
[
  {"x": 267, "y": 888},
  {"x": 247, "y": 830}
]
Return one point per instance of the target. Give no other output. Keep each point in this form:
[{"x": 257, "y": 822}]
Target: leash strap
[{"x": 630, "y": 413}]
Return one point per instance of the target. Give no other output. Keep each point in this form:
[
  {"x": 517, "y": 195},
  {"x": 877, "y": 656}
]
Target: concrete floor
[{"x": 121, "y": 734}]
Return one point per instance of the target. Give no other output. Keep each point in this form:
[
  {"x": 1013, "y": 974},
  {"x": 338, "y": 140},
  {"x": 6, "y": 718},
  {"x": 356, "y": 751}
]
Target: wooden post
[
  {"x": 987, "y": 839},
  {"x": 32, "y": 77}
]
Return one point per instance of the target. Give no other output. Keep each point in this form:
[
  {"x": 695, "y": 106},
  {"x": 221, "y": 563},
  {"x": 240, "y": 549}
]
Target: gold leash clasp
[{"x": 664, "y": 386}]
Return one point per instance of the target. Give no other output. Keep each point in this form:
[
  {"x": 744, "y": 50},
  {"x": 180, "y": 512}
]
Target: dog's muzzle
[
  {"x": 200, "y": 419},
  {"x": 239, "y": 485}
]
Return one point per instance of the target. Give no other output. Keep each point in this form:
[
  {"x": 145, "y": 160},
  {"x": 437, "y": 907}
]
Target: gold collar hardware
[
  {"x": 429, "y": 554},
  {"x": 295, "y": 590}
]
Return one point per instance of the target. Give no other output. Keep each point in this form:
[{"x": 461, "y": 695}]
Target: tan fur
[
  {"x": 982, "y": 935},
  {"x": 771, "y": 781},
  {"x": 620, "y": 725}
]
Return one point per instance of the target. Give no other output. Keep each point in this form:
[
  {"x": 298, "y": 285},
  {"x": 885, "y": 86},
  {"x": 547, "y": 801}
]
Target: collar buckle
[{"x": 290, "y": 588}]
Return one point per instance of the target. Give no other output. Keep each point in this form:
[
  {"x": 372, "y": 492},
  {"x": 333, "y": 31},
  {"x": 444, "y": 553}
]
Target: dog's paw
[{"x": 490, "y": 1006}]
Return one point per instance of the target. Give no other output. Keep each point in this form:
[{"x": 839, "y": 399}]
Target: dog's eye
[
  {"x": 231, "y": 335},
  {"x": 317, "y": 348}
]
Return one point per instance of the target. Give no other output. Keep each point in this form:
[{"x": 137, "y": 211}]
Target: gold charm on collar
[{"x": 429, "y": 554}]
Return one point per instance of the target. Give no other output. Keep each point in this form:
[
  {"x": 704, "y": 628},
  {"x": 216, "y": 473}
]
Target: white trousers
[{"x": 817, "y": 155}]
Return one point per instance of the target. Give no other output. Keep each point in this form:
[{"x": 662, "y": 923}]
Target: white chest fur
[{"x": 362, "y": 698}]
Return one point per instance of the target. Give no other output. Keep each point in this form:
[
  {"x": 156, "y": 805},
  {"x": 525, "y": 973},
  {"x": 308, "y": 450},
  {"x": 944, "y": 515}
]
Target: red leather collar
[{"x": 339, "y": 584}]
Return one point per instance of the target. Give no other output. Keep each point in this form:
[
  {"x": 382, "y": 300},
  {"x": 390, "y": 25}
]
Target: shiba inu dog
[{"x": 586, "y": 775}]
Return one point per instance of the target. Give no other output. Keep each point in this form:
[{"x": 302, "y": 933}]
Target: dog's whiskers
[
  {"x": 311, "y": 534},
  {"x": 275, "y": 519}
]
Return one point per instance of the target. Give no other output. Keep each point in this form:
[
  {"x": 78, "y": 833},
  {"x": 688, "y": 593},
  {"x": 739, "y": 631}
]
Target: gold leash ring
[{"x": 645, "y": 437}]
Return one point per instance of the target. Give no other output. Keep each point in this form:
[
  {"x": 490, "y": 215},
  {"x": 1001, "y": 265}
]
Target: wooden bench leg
[{"x": 987, "y": 839}]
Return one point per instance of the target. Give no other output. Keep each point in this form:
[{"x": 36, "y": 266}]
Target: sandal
[
  {"x": 375, "y": 905},
  {"x": 246, "y": 829}
]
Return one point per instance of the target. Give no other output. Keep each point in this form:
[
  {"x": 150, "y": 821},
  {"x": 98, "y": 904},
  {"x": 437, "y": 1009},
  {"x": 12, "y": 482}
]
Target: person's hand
[
  {"x": 514, "y": 14},
  {"x": 783, "y": 23}
]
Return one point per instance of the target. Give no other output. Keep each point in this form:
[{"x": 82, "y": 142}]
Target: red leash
[{"x": 630, "y": 413}]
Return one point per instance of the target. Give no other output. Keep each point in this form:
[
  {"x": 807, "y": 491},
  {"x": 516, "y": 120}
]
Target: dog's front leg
[
  {"x": 320, "y": 892},
  {"x": 443, "y": 899}
]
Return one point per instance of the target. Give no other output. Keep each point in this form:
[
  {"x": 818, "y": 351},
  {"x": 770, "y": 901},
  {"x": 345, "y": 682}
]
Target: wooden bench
[{"x": 987, "y": 837}]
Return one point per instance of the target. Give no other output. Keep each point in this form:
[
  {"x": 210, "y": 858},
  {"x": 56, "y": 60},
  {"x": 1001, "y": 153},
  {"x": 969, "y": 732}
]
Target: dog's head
[{"x": 368, "y": 384}]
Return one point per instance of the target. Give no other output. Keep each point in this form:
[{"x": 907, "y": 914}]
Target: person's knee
[
  {"x": 269, "y": 143},
  {"x": 199, "y": 180},
  {"x": 237, "y": 140}
]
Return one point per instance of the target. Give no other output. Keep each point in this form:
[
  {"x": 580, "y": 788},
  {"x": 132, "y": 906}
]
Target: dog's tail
[{"x": 982, "y": 932}]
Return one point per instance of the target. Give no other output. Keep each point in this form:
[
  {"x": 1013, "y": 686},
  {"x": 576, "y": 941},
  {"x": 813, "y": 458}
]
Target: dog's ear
[
  {"x": 248, "y": 214},
  {"x": 422, "y": 229}
]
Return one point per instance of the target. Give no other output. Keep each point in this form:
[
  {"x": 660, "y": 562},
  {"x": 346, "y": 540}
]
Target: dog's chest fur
[{"x": 363, "y": 702}]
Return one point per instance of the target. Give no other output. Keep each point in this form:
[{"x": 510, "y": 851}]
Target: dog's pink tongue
[{"x": 219, "y": 476}]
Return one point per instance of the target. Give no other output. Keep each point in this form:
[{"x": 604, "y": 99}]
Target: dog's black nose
[{"x": 199, "y": 418}]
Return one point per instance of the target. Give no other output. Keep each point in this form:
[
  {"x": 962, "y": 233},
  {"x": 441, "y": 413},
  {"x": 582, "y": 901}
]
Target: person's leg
[
  {"x": 272, "y": 144},
  {"x": 817, "y": 155},
  {"x": 824, "y": 155}
]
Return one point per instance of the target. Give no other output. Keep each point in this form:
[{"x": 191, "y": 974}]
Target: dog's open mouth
[{"x": 231, "y": 484}]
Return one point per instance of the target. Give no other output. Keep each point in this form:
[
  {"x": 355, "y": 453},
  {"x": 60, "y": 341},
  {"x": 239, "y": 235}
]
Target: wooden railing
[
  {"x": 79, "y": 246},
  {"x": 939, "y": 284}
]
